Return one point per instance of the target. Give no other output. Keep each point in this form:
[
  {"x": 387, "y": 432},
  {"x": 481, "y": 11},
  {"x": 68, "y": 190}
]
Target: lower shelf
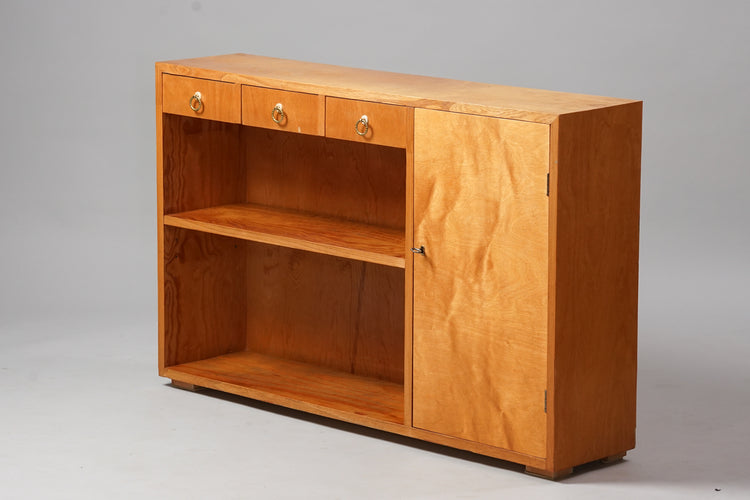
[{"x": 296, "y": 385}]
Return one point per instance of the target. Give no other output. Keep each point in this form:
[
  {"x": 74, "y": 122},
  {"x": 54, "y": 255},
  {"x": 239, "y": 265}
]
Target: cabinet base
[
  {"x": 185, "y": 386},
  {"x": 613, "y": 458},
  {"x": 562, "y": 474},
  {"x": 546, "y": 474}
]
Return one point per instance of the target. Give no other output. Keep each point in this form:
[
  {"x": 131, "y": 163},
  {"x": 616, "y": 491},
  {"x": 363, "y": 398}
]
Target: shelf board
[
  {"x": 296, "y": 385},
  {"x": 287, "y": 228}
]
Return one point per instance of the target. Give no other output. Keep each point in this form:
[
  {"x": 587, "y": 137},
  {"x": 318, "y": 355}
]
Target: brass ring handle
[
  {"x": 278, "y": 111},
  {"x": 364, "y": 122},
  {"x": 196, "y": 99}
]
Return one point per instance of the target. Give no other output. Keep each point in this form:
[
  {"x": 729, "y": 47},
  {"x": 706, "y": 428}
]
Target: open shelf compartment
[
  {"x": 287, "y": 326},
  {"x": 297, "y": 385},
  {"x": 284, "y": 269},
  {"x": 311, "y": 193}
]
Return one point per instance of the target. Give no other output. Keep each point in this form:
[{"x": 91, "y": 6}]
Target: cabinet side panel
[
  {"x": 480, "y": 287},
  {"x": 201, "y": 166},
  {"x": 204, "y": 295},
  {"x": 596, "y": 295},
  {"x": 160, "y": 217}
]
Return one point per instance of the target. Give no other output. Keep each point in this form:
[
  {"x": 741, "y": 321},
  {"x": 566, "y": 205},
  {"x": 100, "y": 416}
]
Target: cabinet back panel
[
  {"x": 201, "y": 164},
  {"x": 204, "y": 295},
  {"x": 359, "y": 182},
  {"x": 342, "y": 314}
]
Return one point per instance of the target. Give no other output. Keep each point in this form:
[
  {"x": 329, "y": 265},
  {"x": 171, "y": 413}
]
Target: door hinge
[
  {"x": 547, "y": 183},
  {"x": 545, "y": 401}
]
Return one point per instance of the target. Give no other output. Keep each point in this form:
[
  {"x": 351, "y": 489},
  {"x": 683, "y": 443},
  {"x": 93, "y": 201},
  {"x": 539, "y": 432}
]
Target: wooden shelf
[
  {"x": 296, "y": 385},
  {"x": 287, "y": 228}
]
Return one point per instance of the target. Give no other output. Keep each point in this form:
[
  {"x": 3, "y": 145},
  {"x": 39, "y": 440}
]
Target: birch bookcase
[{"x": 451, "y": 261}]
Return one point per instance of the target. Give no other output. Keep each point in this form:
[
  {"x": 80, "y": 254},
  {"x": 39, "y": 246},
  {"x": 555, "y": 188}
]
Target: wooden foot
[
  {"x": 185, "y": 385},
  {"x": 613, "y": 458},
  {"x": 546, "y": 474}
]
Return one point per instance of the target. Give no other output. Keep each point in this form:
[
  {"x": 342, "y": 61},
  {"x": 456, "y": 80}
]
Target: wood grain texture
[
  {"x": 204, "y": 295},
  {"x": 327, "y": 311},
  {"x": 314, "y": 233},
  {"x": 221, "y": 101},
  {"x": 281, "y": 381},
  {"x": 386, "y": 123},
  {"x": 480, "y": 289},
  {"x": 541, "y": 106},
  {"x": 303, "y": 113},
  {"x": 596, "y": 266},
  {"x": 348, "y": 180},
  {"x": 202, "y": 166}
]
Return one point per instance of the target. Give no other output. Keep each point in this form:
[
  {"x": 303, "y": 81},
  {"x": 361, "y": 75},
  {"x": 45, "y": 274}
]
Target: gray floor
[{"x": 84, "y": 415}]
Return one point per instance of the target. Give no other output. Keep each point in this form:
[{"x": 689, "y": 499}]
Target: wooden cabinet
[{"x": 449, "y": 261}]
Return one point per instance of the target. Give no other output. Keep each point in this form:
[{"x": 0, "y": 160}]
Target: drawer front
[
  {"x": 283, "y": 110},
  {"x": 386, "y": 123},
  {"x": 207, "y": 99}
]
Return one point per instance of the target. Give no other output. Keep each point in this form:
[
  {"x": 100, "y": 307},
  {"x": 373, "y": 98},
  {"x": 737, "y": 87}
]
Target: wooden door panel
[{"x": 480, "y": 288}]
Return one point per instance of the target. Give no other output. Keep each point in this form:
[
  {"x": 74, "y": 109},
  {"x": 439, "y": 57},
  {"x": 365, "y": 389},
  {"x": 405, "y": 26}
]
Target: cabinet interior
[{"x": 284, "y": 263}]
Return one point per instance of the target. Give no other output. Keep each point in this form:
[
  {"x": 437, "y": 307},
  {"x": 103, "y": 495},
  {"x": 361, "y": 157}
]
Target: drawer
[
  {"x": 386, "y": 123},
  {"x": 302, "y": 113},
  {"x": 218, "y": 101}
]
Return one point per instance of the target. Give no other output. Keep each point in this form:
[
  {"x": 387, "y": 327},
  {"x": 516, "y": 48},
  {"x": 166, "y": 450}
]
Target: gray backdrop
[{"x": 78, "y": 191}]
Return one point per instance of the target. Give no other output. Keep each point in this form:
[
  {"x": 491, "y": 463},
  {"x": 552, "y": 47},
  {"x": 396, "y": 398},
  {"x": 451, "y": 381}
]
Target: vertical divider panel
[{"x": 409, "y": 270}]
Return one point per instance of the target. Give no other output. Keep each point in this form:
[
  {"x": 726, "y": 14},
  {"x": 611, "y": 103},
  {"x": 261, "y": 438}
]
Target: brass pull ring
[
  {"x": 277, "y": 113},
  {"x": 364, "y": 122},
  {"x": 196, "y": 99}
]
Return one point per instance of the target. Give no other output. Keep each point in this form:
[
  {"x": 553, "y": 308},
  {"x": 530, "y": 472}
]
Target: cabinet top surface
[{"x": 542, "y": 106}]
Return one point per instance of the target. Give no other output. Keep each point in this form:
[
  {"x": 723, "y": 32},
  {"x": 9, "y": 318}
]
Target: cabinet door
[{"x": 480, "y": 287}]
